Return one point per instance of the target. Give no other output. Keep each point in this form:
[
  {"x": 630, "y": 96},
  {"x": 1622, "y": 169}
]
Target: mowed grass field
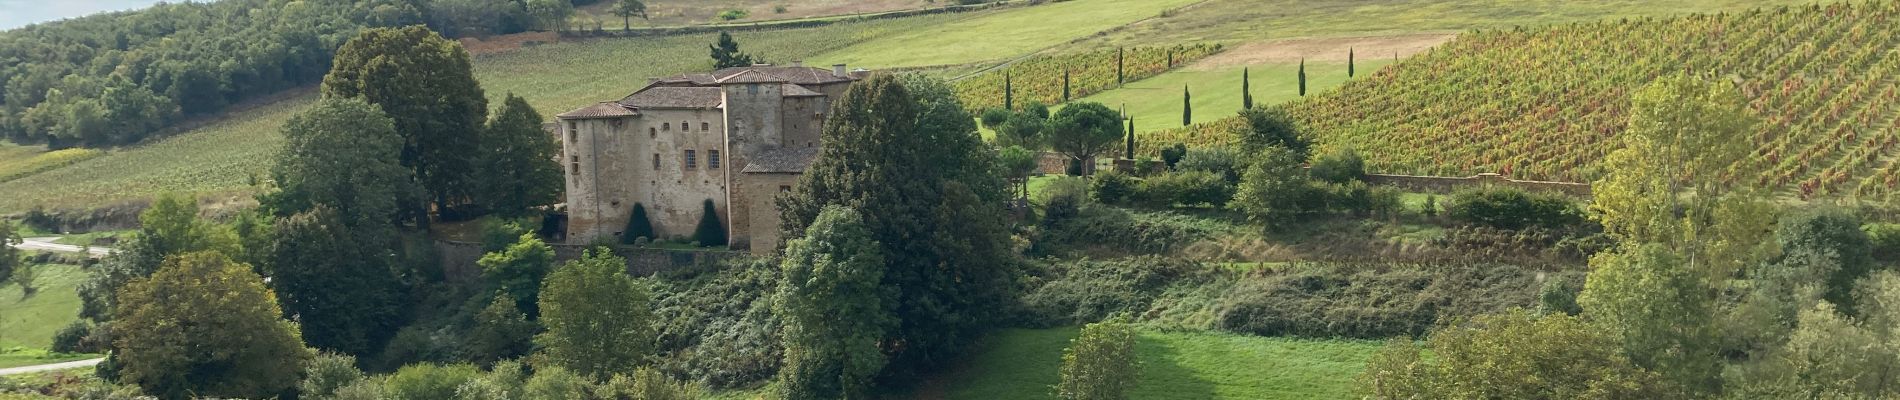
[
  {"x": 224, "y": 157},
  {"x": 30, "y": 322},
  {"x": 1156, "y": 103},
  {"x": 1239, "y": 21},
  {"x": 1025, "y": 364},
  {"x": 1001, "y": 34}
]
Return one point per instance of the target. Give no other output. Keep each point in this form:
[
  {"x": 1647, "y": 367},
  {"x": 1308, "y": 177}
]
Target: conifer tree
[
  {"x": 1187, "y": 107},
  {"x": 1065, "y": 86},
  {"x": 1246, "y": 90},
  {"x": 1120, "y": 78},
  {"x": 711, "y": 232},
  {"x": 638, "y": 226},
  {"x": 726, "y": 54},
  {"x": 1130, "y": 151},
  {"x": 1302, "y": 77},
  {"x": 1009, "y": 93},
  {"x": 1349, "y": 62}
]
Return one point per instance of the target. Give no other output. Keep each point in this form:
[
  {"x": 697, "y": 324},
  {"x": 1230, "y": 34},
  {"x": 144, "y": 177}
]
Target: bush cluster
[
  {"x": 718, "y": 326},
  {"x": 1122, "y": 231},
  {"x": 1511, "y": 208}
]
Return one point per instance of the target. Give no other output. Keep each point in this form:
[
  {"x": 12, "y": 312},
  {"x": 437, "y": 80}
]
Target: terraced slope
[{"x": 1547, "y": 103}]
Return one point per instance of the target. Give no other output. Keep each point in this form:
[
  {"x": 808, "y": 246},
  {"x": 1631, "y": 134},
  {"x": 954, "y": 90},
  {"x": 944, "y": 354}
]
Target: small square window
[
  {"x": 705, "y": 126},
  {"x": 691, "y": 160},
  {"x": 712, "y": 159},
  {"x": 752, "y": 89},
  {"x": 652, "y": 133},
  {"x": 666, "y": 126}
]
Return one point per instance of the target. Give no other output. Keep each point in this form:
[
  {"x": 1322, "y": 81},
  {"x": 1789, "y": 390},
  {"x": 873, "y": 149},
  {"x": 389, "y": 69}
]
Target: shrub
[
  {"x": 1387, "y": 201},
  {"x": 638, "y": 226},
  {"x": 74, "y": 338},
  {"x": 1086, "y": 290},
  {"x": 1339, "y": 167},
  {"x": 417, "y": 343},
  {"x": 1430, "y": 208},
  {"x": 1510, "y": 208},
  {"x": 719, "y": 326},
  {"x": 1370, "y": 300},
  {"x": 1186, "y": 188},
  {"x": 734, "y": 14},
  {"x": 328, "y": 374},
  {"x": 1559, "y": 295},
  {"x": 710, "y": 232},
  {"x": 1514, "y": 355},
  {"x": 1062, "y": 201},
  {"x": 429, "y": 381},
  {"x": 1112, "y": 187},
  {"x": 1100, "y": 363},
  {"x": 501, "y": 331},
  {"x": 648, "y": 384},
  {"x": 1172, "y": 155},
  {"x": 1884, "y": 239},
  {"x": 498, "y": 234},
  {"x": 1350, "y": 197},
  {"x": 1218, "y": 160},
  {"x": 1121, "y": 231},
  {"x": 995, "y": 118},
  {"x": 555, "y": 383}
]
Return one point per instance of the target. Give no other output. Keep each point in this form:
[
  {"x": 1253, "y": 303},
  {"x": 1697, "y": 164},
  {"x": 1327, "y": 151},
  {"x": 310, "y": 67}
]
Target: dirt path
[
  {"x": 50, "y": 367},
  {"x": 1322, "y": 49},
  {"x": 46, "y": 244}
]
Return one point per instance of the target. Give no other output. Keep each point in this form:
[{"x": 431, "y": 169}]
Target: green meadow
[
  {"x": 1000, "y": 34},
  {"x": 1025, "y": 364}
]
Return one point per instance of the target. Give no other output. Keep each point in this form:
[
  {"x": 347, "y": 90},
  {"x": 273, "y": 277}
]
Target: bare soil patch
[
  {"x": 505, "y": 43},
  {"x": 1331, "y": 49}
]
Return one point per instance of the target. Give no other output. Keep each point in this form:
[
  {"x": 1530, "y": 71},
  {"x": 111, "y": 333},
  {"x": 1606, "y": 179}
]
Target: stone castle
[{"x": 736, "y": 136}]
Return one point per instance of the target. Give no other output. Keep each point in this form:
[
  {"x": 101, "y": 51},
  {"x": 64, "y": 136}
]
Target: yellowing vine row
[
  {"x": 1039, "y": 78},
  {"x": 1547, "y": 103}
]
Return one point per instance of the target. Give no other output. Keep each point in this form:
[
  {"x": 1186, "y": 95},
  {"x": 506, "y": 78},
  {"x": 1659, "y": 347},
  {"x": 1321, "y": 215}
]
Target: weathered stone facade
[{"x": 736, "y": 136}]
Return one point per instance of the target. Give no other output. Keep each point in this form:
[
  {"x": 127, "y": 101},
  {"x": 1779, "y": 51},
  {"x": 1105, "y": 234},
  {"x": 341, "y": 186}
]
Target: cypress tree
[
  {"x": 638, "y": 226},
  {"x": 1009, "y": 93},
  {"x": 1119, "y": 77},
  {"x": 1349, "y": 62},
  {"x": 711, "y": 232},
  {"x": 1187, "y": 107},
  {"x": 1246, "y": 90},
  {"x": 1302, "y": 77},
  {"x": 1065, "y": 86}
]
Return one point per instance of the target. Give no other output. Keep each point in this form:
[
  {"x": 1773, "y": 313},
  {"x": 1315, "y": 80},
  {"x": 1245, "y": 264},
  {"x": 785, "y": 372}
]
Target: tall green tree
[
  {"x": 1130, "y": 150},
  {"x": 905, "y": 154},
  {"x": 10, "y": 260},
  {"x": 627, "y": 9},
  {"x": 1349, "y": 62},
  {"x": 1302, "y": 77},
  {"x": 344, "y": 292},
  {"x": 1009, "y": 93},
  {"x": 550, "y": 15},
  {"x": 1246, "y": 90},
  {"x": 1187, "y": 107},
  {"x": 1083, "y": 131},
  {"x": 1272, "y": 127},
  {"x": 425, "y": 84},
  {"x": 598, "y": 319},
  {"x": 1661, "y": 310},
  {"x": 203, "y": 325},
  {"x": 1514, "y": 355},
  {"x": 344, "y": 154},
  {"x": 518, "y": 161},
  {"x": 1018, "y": 163},
  {"x": 1065, "y": 86},
  {"x": 835, "y": 308},
  {"x": 726, "y": 54}
]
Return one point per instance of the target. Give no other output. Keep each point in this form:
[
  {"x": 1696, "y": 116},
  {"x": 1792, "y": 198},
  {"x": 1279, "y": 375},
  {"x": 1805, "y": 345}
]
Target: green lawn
[
  {"x": 1156, "y": 102},
  {"x": 1024, "y": 364},
  {"x": 1239, "y": 21},
  {"x": 30, "y": 322},
  {"x": 1001, "y": 34},
  {"x": 224, "y": 156}
]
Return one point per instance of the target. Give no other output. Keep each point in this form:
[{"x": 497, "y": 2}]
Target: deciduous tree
[
  {"x": 598, "y": 319},
  {"x": 1099, "y": 364},
  {"x": 425, "y": 84},
  {"x": 518, "y": 163},
  {"x": 519, "y": 270},
  {"x": 344, "y": 291},
  {"x": 203, "y": 325},
  {"x": 835, "y": 309},
  {"x": 1083, "y": 131},
  {"x": 627, "y": 9}
]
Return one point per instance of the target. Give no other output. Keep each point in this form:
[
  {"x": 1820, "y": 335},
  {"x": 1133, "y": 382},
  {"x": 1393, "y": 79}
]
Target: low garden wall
[{"x": 458, "y": 258}]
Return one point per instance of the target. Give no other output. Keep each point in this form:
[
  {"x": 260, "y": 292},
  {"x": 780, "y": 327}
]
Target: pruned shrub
[
  {"x": 74, "y": 338},
  {"x": 1112, "y": 187},
  {"x": 1218, "y": 160},
  {"x": 1511, "y": 208},
  {"x": 1185, "y": 188},
  {"x": 994, "y": 118},
  {"x": 1339, "y": 167},
  {"x": 711, "y": 232},
  {"x": 1100, "y": 363},
  {"x": 429, "y": 381}
]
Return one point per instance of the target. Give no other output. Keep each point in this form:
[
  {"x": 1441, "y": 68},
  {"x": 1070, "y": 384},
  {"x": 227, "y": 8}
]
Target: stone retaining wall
[
  {"x": 1446, "y": 184},
  {"x": 458, "y": 258}
]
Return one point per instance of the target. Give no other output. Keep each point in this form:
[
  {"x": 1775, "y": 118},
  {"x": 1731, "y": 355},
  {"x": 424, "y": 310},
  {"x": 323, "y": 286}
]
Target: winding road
[
  {"x": 47, "y": 244},
  {"x": 51, "y": 367}
]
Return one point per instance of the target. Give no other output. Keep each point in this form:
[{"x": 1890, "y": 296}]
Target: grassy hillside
[
  {"x": 30, "y": 322},
  {"x": 692, "y": 12},
  {"x": 1040, "y": 78},
  {"x": 1545, "y": 104},
  {"x": 998, "y": 35},
  {"x": 222, "y": 157},
  {"x": 1236, "y": 21},
  {"x": 1024, "y": 364}
]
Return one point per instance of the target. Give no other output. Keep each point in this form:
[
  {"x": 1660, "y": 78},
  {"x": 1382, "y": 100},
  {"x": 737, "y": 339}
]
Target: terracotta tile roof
[
  {"x": 599, "y": 110},
  {"x": 788, "y": 160},
  {"x": 675, "y": 97},
  {"x": 797, "y": 75},
  {"x": 750, "y": 76},
  {"x": 791, "y": 90}
]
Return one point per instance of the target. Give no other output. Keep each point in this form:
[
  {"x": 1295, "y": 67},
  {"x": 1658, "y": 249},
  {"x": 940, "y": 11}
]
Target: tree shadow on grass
[{"x": 1163, "y": 376}]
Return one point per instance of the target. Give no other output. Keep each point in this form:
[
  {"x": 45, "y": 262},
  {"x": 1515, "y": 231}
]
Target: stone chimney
[{"x": 837, "y": 70}]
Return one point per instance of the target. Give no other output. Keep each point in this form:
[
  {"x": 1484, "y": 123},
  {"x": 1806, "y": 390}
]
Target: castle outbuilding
[{"x": 736, "y": 136}]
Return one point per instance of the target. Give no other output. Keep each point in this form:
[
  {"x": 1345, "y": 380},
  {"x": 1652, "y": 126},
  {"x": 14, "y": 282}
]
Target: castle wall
[
  {"x": 764, "y": 234},
  {"x": 616, "y": 169},
  {"x": 803, "y": 118},
  {"x": 753, "y": 112}
]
